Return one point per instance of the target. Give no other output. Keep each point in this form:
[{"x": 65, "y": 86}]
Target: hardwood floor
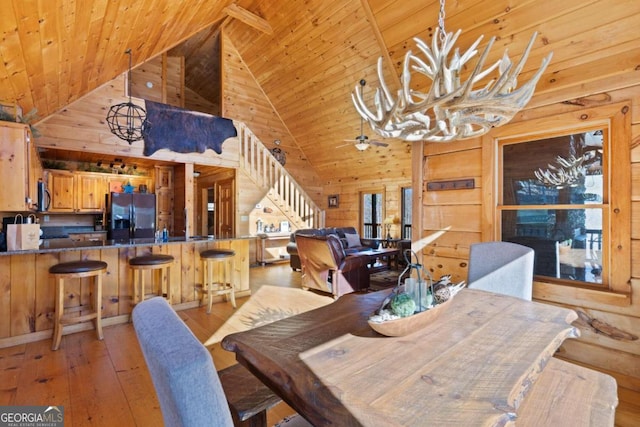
[{"x": 106, "y": 383}]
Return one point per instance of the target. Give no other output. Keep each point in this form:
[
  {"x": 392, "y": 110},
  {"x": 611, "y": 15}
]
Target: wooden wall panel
[
  {"x": 82, "y": 127},
  {"x": 245, "y": 101},
  {"x": 616, "y": 315},
  {"x": 27, "y": 305},
  {"x": 5, "y": 297},
  {"x": 348, "y": 212}
]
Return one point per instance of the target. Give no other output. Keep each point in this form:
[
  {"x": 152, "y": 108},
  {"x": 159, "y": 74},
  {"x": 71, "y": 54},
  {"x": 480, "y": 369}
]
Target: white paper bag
[{"x": 22, "y": 237}]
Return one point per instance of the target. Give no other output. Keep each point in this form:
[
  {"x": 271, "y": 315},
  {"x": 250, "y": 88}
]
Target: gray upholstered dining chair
[
  {"x": 190, "y": 391},
  {"x": 501, "y": 267}
]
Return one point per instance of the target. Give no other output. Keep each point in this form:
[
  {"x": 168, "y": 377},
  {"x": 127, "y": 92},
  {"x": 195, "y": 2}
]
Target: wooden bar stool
[
  {"x": 224, "y": 259},
  {"x": 73, "y": 270},
  {"x": 150, "y": 263}
]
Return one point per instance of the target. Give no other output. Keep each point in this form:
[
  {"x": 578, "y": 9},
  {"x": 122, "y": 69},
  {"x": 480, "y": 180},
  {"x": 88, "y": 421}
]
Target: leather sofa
[
  {"x": 327, "y": 268},
  {"x": 340, "y": 232}
]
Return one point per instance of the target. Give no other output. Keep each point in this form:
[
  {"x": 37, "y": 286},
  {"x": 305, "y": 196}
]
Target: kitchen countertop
[{"x": 59, "y": 245}]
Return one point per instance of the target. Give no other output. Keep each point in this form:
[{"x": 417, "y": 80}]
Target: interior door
[{"x": 224, "y": 208}]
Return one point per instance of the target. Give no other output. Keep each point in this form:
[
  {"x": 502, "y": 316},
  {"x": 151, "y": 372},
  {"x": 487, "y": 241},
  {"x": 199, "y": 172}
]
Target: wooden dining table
[{"x": 474, "y": 365}]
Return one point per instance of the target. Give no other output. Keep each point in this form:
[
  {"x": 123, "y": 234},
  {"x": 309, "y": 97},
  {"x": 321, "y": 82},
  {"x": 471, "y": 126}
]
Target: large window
[
  {"x": 563, "y": 190},
  {"x": 553, "y": 199},
  {"x": 372, "y": 214}
]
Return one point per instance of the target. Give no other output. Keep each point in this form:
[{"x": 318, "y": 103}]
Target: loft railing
[{"x": 268, "y": 173}]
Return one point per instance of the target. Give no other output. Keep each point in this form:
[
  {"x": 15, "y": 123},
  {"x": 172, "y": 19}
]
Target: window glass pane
[
  {"x": 407, "y": 193},
  {"x": 561, "y": 170},
  {"x": 372, "y": 215},
  {"x": 567, "y": 242}
]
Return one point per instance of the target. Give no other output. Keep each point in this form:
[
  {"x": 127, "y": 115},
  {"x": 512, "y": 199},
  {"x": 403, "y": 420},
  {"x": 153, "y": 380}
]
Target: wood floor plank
[
  {"x": 11, "y": 362},
  {"x": 44, "y": 378},
  {"x": 106, "y": 383},
  {"x": 97, "y": 397},
  {"x": 133, "y": 376}
]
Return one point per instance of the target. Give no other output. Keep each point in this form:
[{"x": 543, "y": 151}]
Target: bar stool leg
[
  {"x": 164, "y": 280},
  {"x": 209, "y": 285},
  {"x": 57, "y": 328},
  {"x": 227, "y": 277},
  {"x": 97, "y": 281}
]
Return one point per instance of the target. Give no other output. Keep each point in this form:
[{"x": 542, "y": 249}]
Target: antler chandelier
[
  {"x": 451, "y": 110},
  {"x": 569, "y": 172},
  {"x": 126, "y": 120}
]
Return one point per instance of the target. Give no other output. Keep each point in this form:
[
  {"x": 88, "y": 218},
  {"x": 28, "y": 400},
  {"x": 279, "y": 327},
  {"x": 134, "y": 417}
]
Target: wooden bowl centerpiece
[{"x": 398, "y": 317}]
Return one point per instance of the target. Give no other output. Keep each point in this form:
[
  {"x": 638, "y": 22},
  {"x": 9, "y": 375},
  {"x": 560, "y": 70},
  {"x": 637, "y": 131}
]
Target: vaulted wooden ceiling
[{"x": 303, "y": 58}]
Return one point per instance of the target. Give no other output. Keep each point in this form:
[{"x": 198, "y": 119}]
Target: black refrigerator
[{"x": 131, "y": 216}]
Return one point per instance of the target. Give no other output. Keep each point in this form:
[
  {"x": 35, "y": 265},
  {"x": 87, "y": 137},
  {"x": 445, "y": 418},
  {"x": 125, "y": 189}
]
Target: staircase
[{"x": 267, "y": 173}]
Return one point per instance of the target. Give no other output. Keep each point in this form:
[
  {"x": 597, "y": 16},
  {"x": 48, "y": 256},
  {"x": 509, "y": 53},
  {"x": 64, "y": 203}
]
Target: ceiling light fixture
[
  {"x": 126, "y": 120},
  {"x": 452, "y": 109},
  {"x": 361, "y": 146}
]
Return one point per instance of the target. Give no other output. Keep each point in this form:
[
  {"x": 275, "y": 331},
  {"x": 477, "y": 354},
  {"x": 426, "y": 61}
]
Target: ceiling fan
[{"x": 362, "y": 140}]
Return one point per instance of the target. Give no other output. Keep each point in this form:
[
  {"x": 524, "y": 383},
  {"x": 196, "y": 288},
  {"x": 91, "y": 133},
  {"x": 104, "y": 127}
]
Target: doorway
[{"x": 207, "y": 212}]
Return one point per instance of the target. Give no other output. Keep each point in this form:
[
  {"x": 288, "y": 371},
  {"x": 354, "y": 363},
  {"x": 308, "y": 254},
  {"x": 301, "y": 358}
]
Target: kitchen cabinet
[
  {"x": 19, "y": 166},
  {"x": 90, "y": 190},
  {"x": 77, "y": 192},
  {"x": 84, "y": 192},
  {"x": 61, "y": 188}
]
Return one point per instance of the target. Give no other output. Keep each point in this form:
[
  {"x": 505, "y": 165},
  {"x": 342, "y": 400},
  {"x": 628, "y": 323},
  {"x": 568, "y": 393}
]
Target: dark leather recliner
[
  {"x": 327, "y": 268},
  {"x": 340, "y": 232}
]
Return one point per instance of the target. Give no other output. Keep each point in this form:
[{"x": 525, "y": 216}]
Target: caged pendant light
[
  {"x": 451, "y": 109},
  {"x": 126, "y": 120}
]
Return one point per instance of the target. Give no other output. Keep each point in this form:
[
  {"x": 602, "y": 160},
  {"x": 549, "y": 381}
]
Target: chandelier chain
[{"x": 441, "y": 16}]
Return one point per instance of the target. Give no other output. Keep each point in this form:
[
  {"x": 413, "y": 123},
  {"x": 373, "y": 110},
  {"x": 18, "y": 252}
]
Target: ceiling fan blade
[{"x": 379, "y": 143}]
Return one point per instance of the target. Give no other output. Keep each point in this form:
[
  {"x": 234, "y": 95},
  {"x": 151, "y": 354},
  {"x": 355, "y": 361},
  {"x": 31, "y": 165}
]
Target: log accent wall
[
  {"x": 27, "y": 290},
  {"x": 609, "y": 322}
]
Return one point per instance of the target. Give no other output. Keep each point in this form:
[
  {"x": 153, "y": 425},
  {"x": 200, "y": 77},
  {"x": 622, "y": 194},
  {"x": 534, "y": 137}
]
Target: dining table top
[{"x": 473, "y": 365}]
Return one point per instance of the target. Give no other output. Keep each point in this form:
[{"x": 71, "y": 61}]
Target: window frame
[
  {"x": 375, "y": 225},
  {"x": 403, "y": 203},
  {"x": 614, "y": 117}
]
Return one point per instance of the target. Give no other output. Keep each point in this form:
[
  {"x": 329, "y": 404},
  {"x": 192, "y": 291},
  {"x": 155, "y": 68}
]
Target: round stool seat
[
  {"x": 156, "y": 259},
  {"x": 216, "y": 253},
  {"x": 74, "y": 267}
]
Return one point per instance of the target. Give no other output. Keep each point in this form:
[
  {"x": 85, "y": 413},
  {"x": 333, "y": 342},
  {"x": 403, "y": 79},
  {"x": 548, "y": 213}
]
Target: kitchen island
[{"x": 27, "y": 290}]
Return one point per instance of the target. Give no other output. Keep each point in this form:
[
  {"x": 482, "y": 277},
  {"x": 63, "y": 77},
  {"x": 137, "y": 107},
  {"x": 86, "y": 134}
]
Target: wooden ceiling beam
[{"x": 248, "y": 18}]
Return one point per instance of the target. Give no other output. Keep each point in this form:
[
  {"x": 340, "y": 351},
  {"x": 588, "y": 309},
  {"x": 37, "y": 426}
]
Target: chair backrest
[
  {"x": 318, "y": 255},
  {"x": 182, "y": 370},
  {"x": 501, "y": 267}
]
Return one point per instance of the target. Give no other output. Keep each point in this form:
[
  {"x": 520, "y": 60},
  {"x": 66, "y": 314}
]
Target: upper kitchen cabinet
[
  {"x": 61, "y": 186},
  {"x": 76, "y": 192},
  {"x": 19, "y": 166},
  {"x": 90, "y": 191}
]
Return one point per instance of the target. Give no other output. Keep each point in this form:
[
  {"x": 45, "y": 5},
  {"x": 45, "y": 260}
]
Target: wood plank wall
[
  {"x": 348, "y": 212},
  {"x": 82, "y": 127},
  {"x": 244, "y": 100},
  {"x": 27, "y": 290},
  {"x": 614, "y": 347}
]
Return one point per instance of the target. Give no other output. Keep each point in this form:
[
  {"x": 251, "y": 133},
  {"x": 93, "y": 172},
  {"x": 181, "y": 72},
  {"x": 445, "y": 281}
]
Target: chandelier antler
[
  {"x": 569, "y": 172},
  {"x": 451, "y": 110}
]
